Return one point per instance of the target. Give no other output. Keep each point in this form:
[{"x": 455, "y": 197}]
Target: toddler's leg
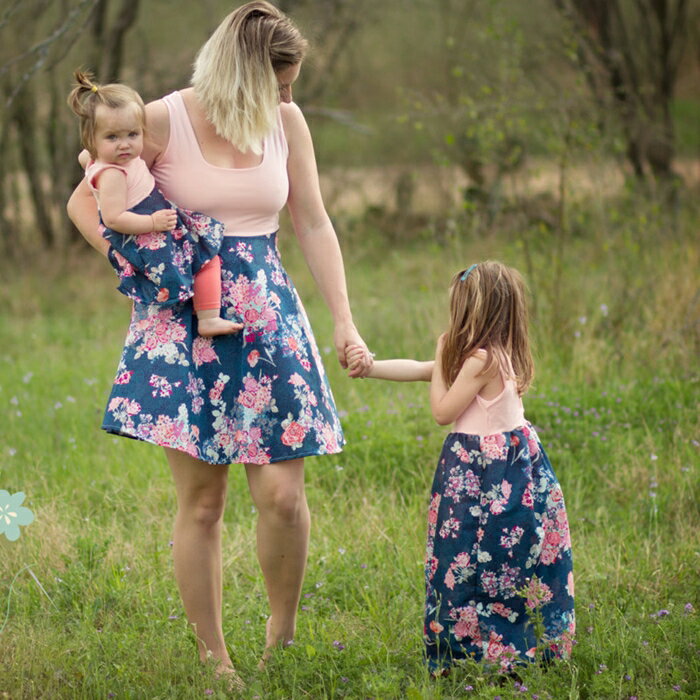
[{"x": 207, "y": 301}]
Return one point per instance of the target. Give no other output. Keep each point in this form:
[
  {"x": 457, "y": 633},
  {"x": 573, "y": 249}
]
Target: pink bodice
[
  {"x": 498, "y": 415},
  {"x": 139, "y": 181},
  {"x": 246, "y": 200}
]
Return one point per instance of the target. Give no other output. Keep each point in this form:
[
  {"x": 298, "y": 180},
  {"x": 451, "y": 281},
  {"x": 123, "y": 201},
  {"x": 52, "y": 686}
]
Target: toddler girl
[
  {"x": 498, "y": 568},
  {"x": 162, "y": 255}
]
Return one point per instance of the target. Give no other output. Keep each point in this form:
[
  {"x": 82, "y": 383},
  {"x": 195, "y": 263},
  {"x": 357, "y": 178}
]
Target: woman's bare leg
[
  {"x": 201, "y": 496},
  {"x": 283, "y": 538}
]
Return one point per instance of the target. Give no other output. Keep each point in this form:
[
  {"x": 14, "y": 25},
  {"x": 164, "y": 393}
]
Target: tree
[
  {"x": 630, "y": 51},
  {"x": 38, "y": 135}
]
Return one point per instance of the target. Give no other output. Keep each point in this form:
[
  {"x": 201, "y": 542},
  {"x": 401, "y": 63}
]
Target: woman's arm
[
  {"x": 447, "y": 404},
  {"x": 82, "y": 211},
  {"x": 315, "y": 232}
]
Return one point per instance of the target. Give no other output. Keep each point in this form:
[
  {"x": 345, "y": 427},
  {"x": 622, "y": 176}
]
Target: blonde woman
[{"x": 235, "y": 147}]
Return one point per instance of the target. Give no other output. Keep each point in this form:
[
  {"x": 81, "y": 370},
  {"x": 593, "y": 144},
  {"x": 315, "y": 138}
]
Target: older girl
[{"x": 498, "y": 551}]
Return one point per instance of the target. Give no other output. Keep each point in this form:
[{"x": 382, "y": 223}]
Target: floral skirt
[
  {"x": 159, "y": 267},
  {"x": 255, "y": 397},
  {"x": 498, "y": 572}
]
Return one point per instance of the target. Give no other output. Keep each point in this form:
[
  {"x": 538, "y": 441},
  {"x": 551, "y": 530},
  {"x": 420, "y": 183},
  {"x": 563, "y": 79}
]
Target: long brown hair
[
  {"x": 87, "y": 95},
  {"x": 488, "y": 309}
]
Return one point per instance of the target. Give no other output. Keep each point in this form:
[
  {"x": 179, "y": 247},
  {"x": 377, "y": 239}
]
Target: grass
[{"x": 615, "y": 401}]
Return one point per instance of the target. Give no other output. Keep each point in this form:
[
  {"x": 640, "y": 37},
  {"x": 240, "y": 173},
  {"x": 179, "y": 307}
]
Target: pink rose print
[
  {"x": 253, "y": 357},
  {"x": 124, "y": 377},
  {"x": 151, "y": 241},
  {"x": 215, "y": 391},
  {"x": 293, "y": 435},
  {"x": 126, "y": 268},
  {"x": 494, "y": 648},
  {"x": 251, "y": 316},
  {"x": 163, "y": 295},
  {"x": 494, "y": 446},
  {"x": 436, "y": 627},
  {"x": 203, "y": 351}
]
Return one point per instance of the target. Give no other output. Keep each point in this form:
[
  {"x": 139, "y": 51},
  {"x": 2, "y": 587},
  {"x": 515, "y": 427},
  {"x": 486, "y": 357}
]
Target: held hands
[
  {"x": 346, "y": 336},
  {"x": 356, "y": 359},
  {"x": 164, "y": 219}
]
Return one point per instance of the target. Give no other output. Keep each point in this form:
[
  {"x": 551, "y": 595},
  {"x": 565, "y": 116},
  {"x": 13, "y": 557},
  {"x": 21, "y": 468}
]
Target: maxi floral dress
[
  {"x": 255, "y": 397},
  {"x": 498, "y": 554}
]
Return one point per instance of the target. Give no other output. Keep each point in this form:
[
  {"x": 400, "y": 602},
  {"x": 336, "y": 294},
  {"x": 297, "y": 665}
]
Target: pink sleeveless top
[
  {"x": 246, "y": 200},
  {"x": 498, "y": 415},
  {"x": 139, "y": 181}
]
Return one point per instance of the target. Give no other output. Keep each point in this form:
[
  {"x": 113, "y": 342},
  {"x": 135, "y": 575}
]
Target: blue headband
[{"x": 466, "y": 272}]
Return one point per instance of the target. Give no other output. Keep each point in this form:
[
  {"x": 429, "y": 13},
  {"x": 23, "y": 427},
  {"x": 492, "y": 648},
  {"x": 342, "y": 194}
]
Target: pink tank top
[
  {"x": 139, "y": 181},
  {"x": 498, "y": 415},
  {"x": 246, "y": 200}
]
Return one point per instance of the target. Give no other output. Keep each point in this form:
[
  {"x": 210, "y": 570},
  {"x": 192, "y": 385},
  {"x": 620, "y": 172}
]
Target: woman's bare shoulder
[
  {"x": 293, "y": 120},
  {"x": 157, "y": 130}
]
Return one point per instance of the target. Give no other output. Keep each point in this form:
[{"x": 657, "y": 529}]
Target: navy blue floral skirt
[
  {"x": 159, "y": 267},
  {"x": 498, "y": 555},
  {"x": 255, "y": 397}
]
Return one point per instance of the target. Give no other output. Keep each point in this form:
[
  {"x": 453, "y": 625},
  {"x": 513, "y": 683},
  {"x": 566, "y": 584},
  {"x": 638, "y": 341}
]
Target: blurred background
[{"x": 426, "y": 114}]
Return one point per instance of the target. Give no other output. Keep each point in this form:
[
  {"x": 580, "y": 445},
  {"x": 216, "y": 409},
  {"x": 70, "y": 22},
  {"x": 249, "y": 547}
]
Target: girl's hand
[
  {"x": 355, "y": 358},
  {"x": 164, "y": 219},
  {"x": 345, "y": 336}
]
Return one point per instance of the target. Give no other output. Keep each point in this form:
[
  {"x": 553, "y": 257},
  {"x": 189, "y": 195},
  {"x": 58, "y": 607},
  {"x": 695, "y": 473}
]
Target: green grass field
[{"x": 88, "y": 602}]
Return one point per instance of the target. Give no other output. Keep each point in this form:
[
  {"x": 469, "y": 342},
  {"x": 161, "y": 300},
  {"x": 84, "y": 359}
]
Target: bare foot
[
  {"x": 229, "y": 675},
  {"x": 209, "y": 327},
  {"x": 272, "y": 642}
]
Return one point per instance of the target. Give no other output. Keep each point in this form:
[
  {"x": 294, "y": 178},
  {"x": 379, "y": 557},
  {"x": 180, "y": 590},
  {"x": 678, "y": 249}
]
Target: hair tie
[
  {"x": 93, "y": 88},
  {"x": 466, "y": 272}
]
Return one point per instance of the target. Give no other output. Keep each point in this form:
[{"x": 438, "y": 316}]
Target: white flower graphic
[{"x": 13, "y": 514}]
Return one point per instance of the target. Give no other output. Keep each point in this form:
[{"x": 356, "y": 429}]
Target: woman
[{"x": 236, "y": 147}]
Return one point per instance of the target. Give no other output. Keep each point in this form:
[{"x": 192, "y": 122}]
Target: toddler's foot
[{"x": 209, "y": 327}]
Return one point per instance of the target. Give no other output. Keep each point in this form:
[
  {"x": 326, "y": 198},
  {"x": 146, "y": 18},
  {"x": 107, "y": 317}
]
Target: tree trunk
[{"x": 24, "y": 118}]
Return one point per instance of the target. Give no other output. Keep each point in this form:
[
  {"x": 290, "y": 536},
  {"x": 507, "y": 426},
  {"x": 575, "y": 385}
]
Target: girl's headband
[{"x": 466, "y": 272}]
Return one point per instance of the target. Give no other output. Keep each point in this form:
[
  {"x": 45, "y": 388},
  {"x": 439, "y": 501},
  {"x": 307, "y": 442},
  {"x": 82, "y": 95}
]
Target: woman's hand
[
  {"x": 356, "y": 356},
  {"x": 345, "y": 336}
]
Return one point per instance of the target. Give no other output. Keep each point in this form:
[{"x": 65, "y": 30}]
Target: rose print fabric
[
  {"x": 255, "y": 397},
  {"x": 496, "y": 524},
  {"x": 159, "y": 267}
]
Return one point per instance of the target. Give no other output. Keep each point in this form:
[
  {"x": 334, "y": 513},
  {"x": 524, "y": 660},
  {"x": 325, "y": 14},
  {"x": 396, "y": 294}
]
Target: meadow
[{"x": 88, "y": 602}]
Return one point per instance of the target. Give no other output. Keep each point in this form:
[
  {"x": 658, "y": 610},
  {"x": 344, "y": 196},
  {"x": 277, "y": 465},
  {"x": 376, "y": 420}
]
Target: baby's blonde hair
[
  {"x": 488, "y": 309},
  {"x": 235, "y": 72},
  {"x": 87, "y": 95}
]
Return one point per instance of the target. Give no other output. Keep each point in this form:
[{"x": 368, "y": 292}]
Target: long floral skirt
[
  {"x": 255, "y": 397},
  {"x": 499, "y": 578}
]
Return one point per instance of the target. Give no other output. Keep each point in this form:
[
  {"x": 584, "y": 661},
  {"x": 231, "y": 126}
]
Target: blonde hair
[
  {"x": 235, "y": 71},
  {"x": 488, "y": 309},
  {"x": 87, "y": 95}
]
